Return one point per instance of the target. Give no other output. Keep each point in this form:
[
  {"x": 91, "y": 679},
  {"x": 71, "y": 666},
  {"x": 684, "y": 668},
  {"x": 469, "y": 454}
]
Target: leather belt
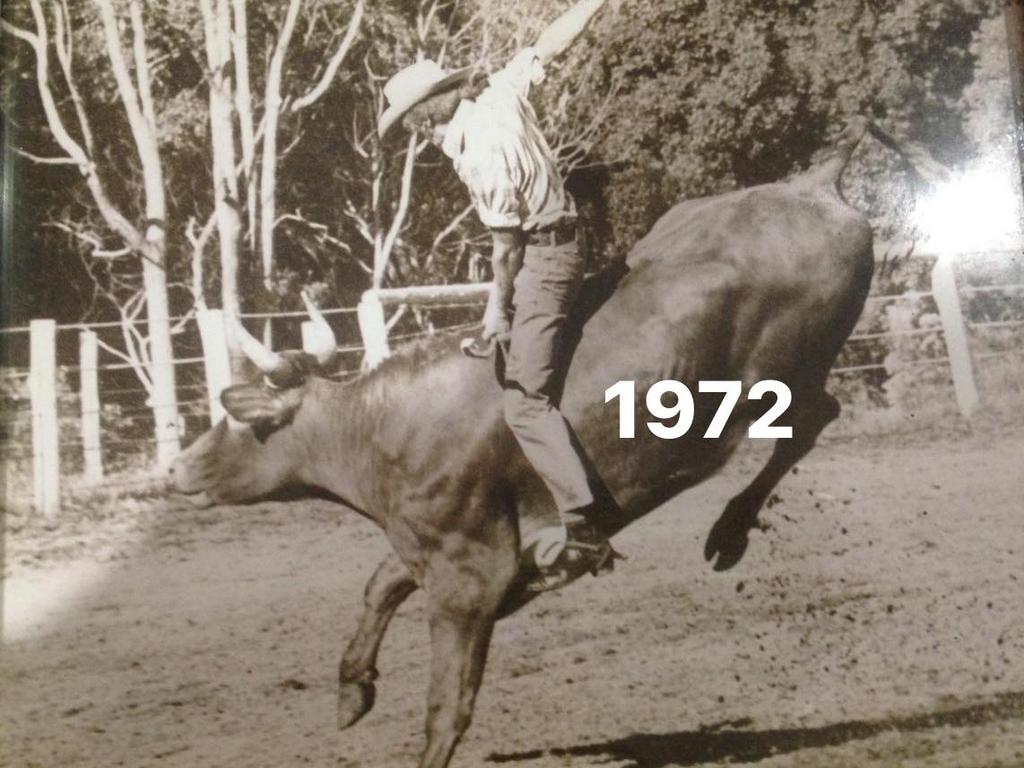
[{"x": 559, "y": 233}]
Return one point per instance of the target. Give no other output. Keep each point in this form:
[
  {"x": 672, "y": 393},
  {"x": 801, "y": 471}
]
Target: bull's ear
[{"x": 258, "y": 405}]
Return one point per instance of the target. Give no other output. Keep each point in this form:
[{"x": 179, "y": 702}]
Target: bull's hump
[{"x": 782, "y": 232}]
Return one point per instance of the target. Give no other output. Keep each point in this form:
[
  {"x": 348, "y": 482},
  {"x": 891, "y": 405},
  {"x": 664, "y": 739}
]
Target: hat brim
[{"x": 397, "y": 110}]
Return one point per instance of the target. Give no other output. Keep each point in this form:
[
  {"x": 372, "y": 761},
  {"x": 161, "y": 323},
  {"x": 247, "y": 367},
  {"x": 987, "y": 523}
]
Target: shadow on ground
[{"x": 726, "y": 742}]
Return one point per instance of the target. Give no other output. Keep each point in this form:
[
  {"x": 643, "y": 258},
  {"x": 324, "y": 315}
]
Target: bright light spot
[
  {"x": 34, "y": 602},
  {"x": 38, "y": 597},
  {"x": 979, "y": 209}
]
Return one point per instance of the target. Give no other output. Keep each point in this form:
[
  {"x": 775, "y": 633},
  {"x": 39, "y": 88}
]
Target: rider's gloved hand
[
  {"x": 495, "y": 331},
  {"x": 496, "y": 324}
]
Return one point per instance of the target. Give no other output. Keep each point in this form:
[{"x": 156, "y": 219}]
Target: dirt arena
[{"x": 878, "y": 621}]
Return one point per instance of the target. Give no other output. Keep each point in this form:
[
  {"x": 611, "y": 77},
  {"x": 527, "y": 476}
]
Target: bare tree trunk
[
  {"x": 217, "y": 29},
  {"x": 243, "y": 104},
  {"x": 268, "y": 160},
  {"x": 198, "y": 240},
  {"x": 164, "y": 399},
  {"x": 274, "y": 105}
]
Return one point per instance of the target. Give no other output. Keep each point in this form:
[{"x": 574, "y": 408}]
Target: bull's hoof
[
  {"x": 728, "y": 540},
  {"x": 355, "y": 699}
]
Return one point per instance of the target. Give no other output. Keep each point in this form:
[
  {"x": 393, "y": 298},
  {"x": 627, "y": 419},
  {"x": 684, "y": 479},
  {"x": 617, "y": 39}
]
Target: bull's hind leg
[
  {"x": 464, "y": 595},
  {"x": 729, "y": 535},
  {"x": 390, "y": 584}
]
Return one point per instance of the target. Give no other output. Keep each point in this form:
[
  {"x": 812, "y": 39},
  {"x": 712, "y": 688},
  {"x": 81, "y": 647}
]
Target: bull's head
[{"x": 250, "y": 453}]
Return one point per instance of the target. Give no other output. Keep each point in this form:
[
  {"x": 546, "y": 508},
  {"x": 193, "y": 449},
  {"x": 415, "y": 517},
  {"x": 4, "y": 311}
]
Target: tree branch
[
  {"x": 38, "y": 42},
  {"x": 64, "y": 40},
  {"x": 141, "y": 119},
  {"x": 198, "y": 243},
  {"x": 22, "y": 34},
  {"x": 332, "y": 66},
  {"x": 45, "y": 160},
  {"x": 115, "y": 220},
  {"x": 125, "y": 86},
  {"x": 90, "y": 238},
  {"x": 452, "y": 225},
  {"x": 322, "y": 233},
  {"x": 403, "y": 207}
]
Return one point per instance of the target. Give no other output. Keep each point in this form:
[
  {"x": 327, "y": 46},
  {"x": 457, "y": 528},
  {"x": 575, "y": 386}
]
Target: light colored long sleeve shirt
[{"x": 499, "y": 153}]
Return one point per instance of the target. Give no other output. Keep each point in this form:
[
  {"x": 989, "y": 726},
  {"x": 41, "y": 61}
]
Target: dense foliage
[
  {"x": 724, "y": 93},
  {"x": 692, "y": 97}
]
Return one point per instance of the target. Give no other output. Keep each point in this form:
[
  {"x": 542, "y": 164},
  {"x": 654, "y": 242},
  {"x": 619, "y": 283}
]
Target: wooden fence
[{"x": 211, "y": 372}]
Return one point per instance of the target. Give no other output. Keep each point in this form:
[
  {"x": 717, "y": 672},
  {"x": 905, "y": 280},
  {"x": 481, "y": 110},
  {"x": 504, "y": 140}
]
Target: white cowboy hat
[{"x": 412, "y": 85}]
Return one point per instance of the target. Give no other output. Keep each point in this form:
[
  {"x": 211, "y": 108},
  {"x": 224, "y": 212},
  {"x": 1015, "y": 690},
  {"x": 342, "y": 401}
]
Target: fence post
[
  {"x": 308, "y": 335},
  {"x": 216, "y": 358},
  {"x": 268, "y": 333},
  {"x": 955, "y": 332},
  {"x": 373, "y": 329},
  {"x": 900, "y": 317},
  {"x": 89, "y": 391},
  {"x": 45, "y": 434}
]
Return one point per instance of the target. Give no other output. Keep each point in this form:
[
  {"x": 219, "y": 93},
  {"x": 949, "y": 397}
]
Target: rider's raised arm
[{"x": 564, "y": 30}]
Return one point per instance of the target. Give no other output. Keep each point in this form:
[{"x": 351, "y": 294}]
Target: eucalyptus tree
[{"x": 73, "y": 134}]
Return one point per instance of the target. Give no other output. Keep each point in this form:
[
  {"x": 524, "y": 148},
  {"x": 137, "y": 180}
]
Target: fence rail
[{"x": 102, "y": 417}]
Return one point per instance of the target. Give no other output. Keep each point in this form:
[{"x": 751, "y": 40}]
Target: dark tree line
[{"x": 665, "y": 100}]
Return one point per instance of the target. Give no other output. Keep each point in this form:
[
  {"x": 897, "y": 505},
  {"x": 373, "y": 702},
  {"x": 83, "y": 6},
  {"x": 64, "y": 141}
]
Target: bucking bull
[{"x": 762, "y": 283}]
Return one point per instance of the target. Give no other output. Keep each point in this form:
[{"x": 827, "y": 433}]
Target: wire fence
[
  {"x": 126, "y": 408},
  {"x": 900, "y": 353},
  {"x": 899, "y": 344}
]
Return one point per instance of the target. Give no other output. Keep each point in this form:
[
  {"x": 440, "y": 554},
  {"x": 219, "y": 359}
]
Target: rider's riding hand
[{"x": 496, "y": 324}]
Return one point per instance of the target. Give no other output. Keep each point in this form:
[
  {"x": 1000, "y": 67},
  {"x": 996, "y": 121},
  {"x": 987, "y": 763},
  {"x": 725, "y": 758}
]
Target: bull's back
[{"x": 715, "y": 276}]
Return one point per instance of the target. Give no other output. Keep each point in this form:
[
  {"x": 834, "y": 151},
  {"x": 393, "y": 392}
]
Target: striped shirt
[{"x": 500, "y": 154}]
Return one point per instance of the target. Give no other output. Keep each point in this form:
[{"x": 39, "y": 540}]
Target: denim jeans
[{"x": 545, "y": 290}]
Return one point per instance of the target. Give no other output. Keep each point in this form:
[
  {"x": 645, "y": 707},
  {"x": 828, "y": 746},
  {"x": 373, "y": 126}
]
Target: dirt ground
[{"x": 879, "y": 621}]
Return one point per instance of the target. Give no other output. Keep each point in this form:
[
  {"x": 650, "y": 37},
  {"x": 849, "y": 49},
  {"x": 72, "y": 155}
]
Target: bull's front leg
[
  {"x": 389, "y": 586},
  {"x": 464, "y": 599}
]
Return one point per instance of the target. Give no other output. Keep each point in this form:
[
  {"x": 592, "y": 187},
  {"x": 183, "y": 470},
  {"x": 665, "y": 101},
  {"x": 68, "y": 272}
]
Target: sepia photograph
[{"x": 532, "y": 383}]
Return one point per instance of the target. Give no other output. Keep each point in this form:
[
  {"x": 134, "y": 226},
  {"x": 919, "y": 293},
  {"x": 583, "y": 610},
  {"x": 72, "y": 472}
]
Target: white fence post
[
  {"x": 308, "y": 335},
  {"x": 373, "y": 329},
  {"x": 955, "y": 332},
  {"x": 900, "y": 376},
  {"x": 268, "y": 332},
  {"x": 215, "y": 358},
  {"x": 45, "y": 434},
  {"x": 89, "y": 391}
]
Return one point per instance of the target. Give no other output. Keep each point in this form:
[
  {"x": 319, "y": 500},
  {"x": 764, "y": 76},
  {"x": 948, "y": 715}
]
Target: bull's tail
[
  {"x": 928, "y": 169},
  {"x": 830, "y": 171}
]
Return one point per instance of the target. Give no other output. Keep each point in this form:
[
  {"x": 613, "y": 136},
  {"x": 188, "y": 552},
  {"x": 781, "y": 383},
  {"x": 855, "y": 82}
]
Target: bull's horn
[
  {"x": 321, "y": 344},
  {"x": 265, "y": 359}
]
